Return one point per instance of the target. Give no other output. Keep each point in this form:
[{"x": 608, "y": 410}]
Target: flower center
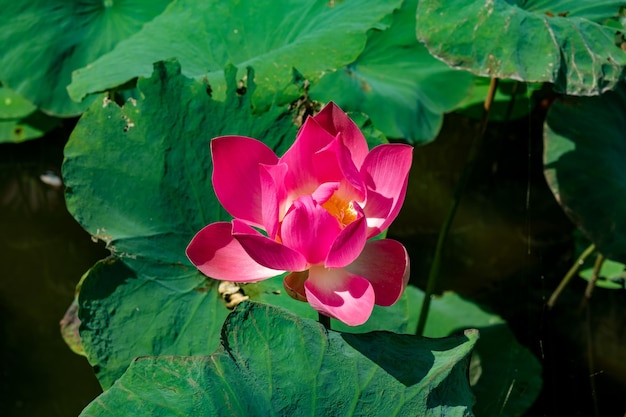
[{"x": 342, "y": 210}]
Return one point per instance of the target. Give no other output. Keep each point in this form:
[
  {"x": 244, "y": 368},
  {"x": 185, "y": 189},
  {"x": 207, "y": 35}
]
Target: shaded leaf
[
  {"x": 274, "y": 363},
  {"x": 584, "y": 160},
  {"x": 505, "y": 376},
  {"x": 396, "y": 81},
  {"x": 43, "y": 41},
  {"x": 565, "y": 42},
  {"x": 271, "y": 36}
]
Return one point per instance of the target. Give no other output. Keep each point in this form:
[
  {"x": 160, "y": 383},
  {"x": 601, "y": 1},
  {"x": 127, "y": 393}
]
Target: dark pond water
[
  {"x": 508, "y": 248},
  {"x": 43, "y": 253}
]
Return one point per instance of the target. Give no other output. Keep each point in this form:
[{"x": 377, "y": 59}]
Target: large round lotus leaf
[
  {"x": 396, "y": 81},
  {"x": 272, "y": 36},
  {"x": 138, "y": 177},
  {"x": 271, "y": 362},
  {"x": 585, "y": 156},
  {"x": 565, "y": 42},
  {"x": 125, "y": 314},
  {"x": 43, "y": 41}
]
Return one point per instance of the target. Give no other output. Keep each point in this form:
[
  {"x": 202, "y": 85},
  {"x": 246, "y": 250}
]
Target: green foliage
[
  {"x": 126, "y": 314},
  {"x": 403, "y": 89},
  {"x": 43, "y": 41},
  {"x": 611, "y": 275},
  {"x": 138, "y": 177},
  {"x": 565, "y": 42},
  {"x": 584, "y": 163},
  {"x": 271, "y": 362},
  {"x": 272, "y": 36},
  {"x": 19, "y": 120}
]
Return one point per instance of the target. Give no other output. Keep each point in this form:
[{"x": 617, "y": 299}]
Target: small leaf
[
  {"x": 274, "y": 363},
  {"x": 611, "y": 275}
]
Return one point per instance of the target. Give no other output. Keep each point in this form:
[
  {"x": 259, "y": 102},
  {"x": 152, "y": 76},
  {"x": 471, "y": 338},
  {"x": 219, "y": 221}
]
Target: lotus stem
[
  {"x": 572, "y": 271},
  {"x": 324, "y": 320},
  {"x": 433, "y": 274}
]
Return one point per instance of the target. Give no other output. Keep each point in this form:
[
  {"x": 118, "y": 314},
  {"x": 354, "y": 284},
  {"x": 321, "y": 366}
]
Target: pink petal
[
  {"x": 215, "y": 252},
  {"x": 341, "y": 295},
  {"x": 266, "y": 251},
  {"x": 385, "y": 264},
  {"x": 236, "y": 180},
  {"x": 348, "y": 244},
  {"x": 333, "y": 163},
  {"x": 386, "y": 173},
  {"x": 301, "y": 178},
  {"x": 273, "y": 194},
  {"x": 309, "y": 229},
  {"x": 324, "y": 192},
  {"x": 335, "y": 121}
]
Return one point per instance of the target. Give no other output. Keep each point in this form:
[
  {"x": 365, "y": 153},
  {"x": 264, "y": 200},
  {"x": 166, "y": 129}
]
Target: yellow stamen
[{"x": 342, "y": 210}]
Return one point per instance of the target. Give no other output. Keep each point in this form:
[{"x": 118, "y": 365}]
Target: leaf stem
[
  {"x": 433, "y": 273},
  {"x": 594, "y": 276},
  {"x": 570, "y": 274}
]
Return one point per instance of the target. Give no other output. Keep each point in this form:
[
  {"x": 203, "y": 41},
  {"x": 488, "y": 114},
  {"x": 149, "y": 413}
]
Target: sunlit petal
[
  {"x": 348, "y": 244},
  {"x": 334, "y": 120},
  {"x": 309, "y": 229},
  {"x": 266, "y": 251},
  {"x": 385, "y": 264},
  {"x": 386, "y": 173},
  {"x": 273, "y": 194},
  {"x": 338, "y": 294},
  {"x": 235, "y": 178},
  {"x": 301, "y": 177},
  {"x": 215, "y": 252}
]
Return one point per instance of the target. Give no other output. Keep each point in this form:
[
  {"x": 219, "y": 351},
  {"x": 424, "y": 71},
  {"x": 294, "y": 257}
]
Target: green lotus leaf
[
  {"x": 43, "y": 41},
  {"x": 125, "y": 314},
  {"x": 569, "y": 43},
  {"x": 138, "y": 176},
  {"x": 271, "y": 362},
  {"x": 584, "y": 165},
  {"x": 271, "y": 36},
  {"x": 396, "y": 81}
]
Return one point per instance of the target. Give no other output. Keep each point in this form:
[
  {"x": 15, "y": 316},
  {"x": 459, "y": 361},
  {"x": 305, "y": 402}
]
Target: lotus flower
[{"x": 317, "y": 205}]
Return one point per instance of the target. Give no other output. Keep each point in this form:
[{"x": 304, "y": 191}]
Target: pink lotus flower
[{"x": 318, "y": 205}]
